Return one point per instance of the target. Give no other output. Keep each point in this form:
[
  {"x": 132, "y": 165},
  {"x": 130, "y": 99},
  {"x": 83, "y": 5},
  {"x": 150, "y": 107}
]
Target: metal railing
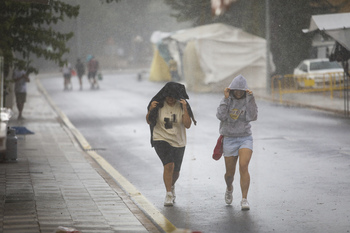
[
  {"x": 328, "y": 83},
  {"x": 289, "y": 83}
]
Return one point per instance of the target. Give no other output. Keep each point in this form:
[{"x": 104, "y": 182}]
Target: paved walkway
[{"x": 55, "y": 183}]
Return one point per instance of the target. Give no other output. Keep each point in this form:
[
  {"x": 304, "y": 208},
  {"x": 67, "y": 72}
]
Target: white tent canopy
[
  {"x": 336, "y": 26},
  {"x": 210, "y": 56}
]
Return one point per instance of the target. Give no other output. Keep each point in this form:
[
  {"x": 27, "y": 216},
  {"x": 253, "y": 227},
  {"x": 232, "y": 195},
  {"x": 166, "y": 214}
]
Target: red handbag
[
  {"x": 218, "y": 151},
  {"x": 73, "y": 73}
]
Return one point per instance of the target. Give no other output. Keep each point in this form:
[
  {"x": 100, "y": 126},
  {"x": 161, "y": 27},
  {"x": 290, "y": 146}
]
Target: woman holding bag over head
[
  {"x": 235, "y": 112},
  {"x": 169, "y": 115}
]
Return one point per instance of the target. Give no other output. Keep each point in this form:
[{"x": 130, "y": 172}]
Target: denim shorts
[{"x": 231, "y": 145}]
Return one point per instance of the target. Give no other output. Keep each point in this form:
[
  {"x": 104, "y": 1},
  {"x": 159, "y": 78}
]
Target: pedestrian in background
[
  {"x": 20, "y": 78},
  {"x": 67, "y": 75},
  {"x": 173, "y": 70},
  {"x": 80, "y": 68},
  {"x": 235, "y": 112},
  {"x": 93, "y": 67},
  {"x": 169, "y": 115}
]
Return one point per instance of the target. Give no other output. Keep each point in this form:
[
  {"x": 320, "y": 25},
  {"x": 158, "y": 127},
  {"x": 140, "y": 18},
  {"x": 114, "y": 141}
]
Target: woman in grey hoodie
[{"x": 235, "y": 112}]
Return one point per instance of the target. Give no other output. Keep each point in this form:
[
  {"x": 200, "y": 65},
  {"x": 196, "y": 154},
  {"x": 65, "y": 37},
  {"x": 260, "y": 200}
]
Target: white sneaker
[
  {"x": 169, "y": 199},
  {"x": 245, "y": 204},
  {"x": 228, "y": 196},
  {"x": 173, "y": 192}
]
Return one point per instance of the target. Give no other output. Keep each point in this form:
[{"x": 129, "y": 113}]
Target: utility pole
[
  {"x": 79, "y": 36},
  {"x": 268, "y": 57},
  {"x": 1, "y": 81}
]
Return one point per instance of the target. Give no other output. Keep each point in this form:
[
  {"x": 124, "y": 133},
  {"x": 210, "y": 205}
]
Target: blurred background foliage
[{"x": 41, "y": 37}]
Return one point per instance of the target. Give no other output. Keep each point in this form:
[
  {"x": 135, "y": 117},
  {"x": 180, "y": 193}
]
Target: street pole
[
  {"x": 1, "y": 82},
  {"x": 268, "y": 57},
  {"x": 79, "y": 35},
  {"x": 346, "y": 92},
  {"x": 78, "y": 31}
]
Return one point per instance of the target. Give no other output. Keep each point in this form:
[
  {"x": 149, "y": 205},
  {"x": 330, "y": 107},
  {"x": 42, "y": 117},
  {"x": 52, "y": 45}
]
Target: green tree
[
  {"x": 289, "y": 45},
  {"x": 26, "y": 29},
  {"x": 248, "y": 14}
]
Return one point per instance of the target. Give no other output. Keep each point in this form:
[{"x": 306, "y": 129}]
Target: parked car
[{"x": 317, "y": 72}]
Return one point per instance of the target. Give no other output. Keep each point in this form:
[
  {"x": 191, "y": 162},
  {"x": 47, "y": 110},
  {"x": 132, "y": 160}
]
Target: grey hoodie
[{"x": 235, "y": 114}]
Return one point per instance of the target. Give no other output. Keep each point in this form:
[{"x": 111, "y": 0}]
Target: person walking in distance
[
  {"x": 169, "y": 115},
  {"x": 93, "y": 67},
  {"x": 67, "y": 75},
  {"x": 20, "y": 78},
  {"x": 173, "y": 70},
  {"x": 80, "y": 68},
  {"x": 235, "y": 112}
]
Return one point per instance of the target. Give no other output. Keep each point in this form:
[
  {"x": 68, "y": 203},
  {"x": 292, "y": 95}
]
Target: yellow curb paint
[{"x": 130, "y": 189}]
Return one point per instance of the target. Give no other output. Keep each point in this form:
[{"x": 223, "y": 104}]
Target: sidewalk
[
  {"x": 55, "y": 183},
  {"x": 320, "y": 101}
]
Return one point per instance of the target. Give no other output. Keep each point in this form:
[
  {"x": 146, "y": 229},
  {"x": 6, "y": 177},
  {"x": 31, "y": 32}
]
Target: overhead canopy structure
[
  {"x": 210, "y": 56},
  {"x": 336, "y": 26}
]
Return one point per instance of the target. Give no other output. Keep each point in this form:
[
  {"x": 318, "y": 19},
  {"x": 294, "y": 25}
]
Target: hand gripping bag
[{"x": 218, "y": 151}]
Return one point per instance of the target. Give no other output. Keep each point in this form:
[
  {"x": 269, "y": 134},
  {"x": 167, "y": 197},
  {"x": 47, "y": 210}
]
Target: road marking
[{"x": 140, "y": 200}]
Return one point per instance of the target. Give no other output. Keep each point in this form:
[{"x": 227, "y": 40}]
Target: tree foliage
[
  {"x": 26, "y": 29},
  {"x": 287, "y": 19}
]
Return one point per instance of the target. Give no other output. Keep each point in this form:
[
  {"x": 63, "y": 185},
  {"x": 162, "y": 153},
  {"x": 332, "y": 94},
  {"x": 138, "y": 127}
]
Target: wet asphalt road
[{"x": 300, "y": 179}]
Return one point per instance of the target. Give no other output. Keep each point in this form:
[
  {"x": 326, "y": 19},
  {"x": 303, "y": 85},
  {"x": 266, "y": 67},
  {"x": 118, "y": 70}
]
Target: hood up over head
[{"x": 239, "y": 83}]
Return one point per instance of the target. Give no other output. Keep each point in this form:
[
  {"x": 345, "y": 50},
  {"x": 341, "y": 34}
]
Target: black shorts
[
  {"x": 67, "y": 76},
  {"x": 169, "y": 154},
  {"x": 92, "y": 74},
  {"x": 21, "y": 97}
]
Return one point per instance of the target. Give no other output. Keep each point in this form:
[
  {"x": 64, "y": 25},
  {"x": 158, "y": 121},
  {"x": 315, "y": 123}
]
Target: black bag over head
[{"x": 171, "y": 89}]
